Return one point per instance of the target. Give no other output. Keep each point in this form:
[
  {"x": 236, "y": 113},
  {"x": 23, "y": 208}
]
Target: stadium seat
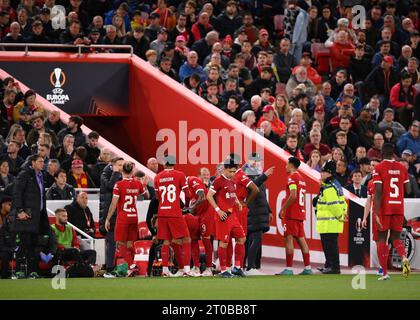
[
  {"x": 279, "y": 24},
  {"x": 321, "y": 55}
]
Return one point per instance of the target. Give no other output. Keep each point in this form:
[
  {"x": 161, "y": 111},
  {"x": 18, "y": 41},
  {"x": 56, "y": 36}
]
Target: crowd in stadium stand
[
  {"x": 255, "y": 60},
  {"x": 258, "y": 61}
]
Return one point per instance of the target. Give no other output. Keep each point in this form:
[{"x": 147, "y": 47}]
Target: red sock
[
  {"x": 239, "y": 254},
  {"x": 306, "y": 259},
  {"x": 186, "y": 251},
  {"x": 126, "y": 254},
  {"x": 383, "y": 252},
  {"x": 195, "y": 253},
  {"x": 222, "y": 258},
  {"x": 289, "y": 260},
  {"x": 165, "y": 255},
  {"x": 229, "y": 253},
  {"x": 178, "y": 255},
  {"x": 398, "y": 245},
  {"x": 208, "y": 246}
]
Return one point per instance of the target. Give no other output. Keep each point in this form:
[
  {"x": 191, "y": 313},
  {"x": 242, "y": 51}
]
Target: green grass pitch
[{"x": 266, "y": 287}]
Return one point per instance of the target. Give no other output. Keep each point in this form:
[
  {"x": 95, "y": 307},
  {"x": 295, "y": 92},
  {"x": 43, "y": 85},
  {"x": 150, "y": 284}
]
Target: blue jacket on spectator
[
  {"x": 186, "y": 70},
  {"x": 110, "y": 14},
  {"x": 407, "y": 141},
  {"x": 377, "y": 59}
]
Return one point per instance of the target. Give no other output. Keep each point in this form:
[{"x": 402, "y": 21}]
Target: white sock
[
  {"x": 165, "y": 270},
  {"x": 238, "y": 267},
  {"x": 308, "y": 267},
  {"x": 187, "y": 269}
]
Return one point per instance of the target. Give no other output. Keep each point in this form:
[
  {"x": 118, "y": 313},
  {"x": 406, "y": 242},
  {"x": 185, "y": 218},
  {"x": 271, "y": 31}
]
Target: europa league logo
[
  {"x": 359, "y": 225},
  {"x": 60, "y": 78}
]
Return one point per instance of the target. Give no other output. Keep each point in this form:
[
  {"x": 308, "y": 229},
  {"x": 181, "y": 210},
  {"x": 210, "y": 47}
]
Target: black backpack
[{"x": 80, "y": 270}]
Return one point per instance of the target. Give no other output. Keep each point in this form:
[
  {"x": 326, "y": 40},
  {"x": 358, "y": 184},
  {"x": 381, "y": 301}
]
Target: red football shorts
[
  {"x": 170, "y": 228},
  {"x": 391, "y": 222},
  {"x": 124, "y": 232},
  {"x": 243, "y": 218},
  {"x": 230, "y": 228},
  {"x": 207, "y": 224},
  {"x": 293, "y": 228},
  {"x": 193, "y": 226}
]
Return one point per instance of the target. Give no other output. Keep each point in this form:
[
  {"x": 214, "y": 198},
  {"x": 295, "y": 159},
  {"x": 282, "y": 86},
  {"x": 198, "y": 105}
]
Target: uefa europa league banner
[
  {"x": 359, "y": 238},
  {"x": 81, "y": 88}
]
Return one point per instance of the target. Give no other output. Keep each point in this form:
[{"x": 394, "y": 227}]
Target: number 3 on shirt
[
  {"x": 395, "y": 191},
  {"x": 168, "y": 191}
]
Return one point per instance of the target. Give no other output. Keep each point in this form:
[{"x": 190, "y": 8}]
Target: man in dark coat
[
  {"x": 80, "y": 215},
  {"x": 110, "y": 176},
  {"x": 259, "y": 213},
  {"x": 30, "y": 212}
]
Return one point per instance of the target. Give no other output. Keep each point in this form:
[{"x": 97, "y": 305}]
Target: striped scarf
[{"x": 81, "y": 181}]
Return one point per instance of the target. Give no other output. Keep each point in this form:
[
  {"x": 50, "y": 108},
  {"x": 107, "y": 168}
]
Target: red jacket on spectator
[
  {"x": 199, "y": 30},
  {"x": 277, "y": 126},
  {"x": 313, "y": 75},
  {"x": 399, "y": 102},
  {"x": 341, "y": 54},
  {"x": 167, "y": 18}
]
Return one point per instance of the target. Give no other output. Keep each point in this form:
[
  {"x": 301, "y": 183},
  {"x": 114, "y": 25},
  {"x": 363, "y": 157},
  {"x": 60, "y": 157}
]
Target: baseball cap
[
  {"x": 408, "y": 151},
  {"x": 77, "y": 164},
  {"x": 388, "y": 110},
  {"x": 228, "y": 39},
  {"x": 180, "y": 38},
  {"x": 388, "y": 59},
  {"x": 329, "y": 167},
  {"x": 169, "y": 46},
  {"x": 263, "y": 31},
  {"x": 268, "y": 108},
  {"x": 94, "y": 31},
  {"x": 45, "y": 11}
]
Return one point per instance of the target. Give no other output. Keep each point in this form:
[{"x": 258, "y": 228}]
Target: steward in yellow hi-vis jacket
[{"x": 331, "y": 211}]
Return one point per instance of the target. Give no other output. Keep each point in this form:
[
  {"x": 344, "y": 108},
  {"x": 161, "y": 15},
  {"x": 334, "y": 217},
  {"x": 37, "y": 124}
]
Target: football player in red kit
[
  {"x": 390, "y": 179},
  {"x": 172, "y": 227},
  {"x": 370, "y": 207},
  {"x": 124, "y": 198},
  {"x": 202, "y": 225},
  {"x": 243, "y": 184},
  {"x": 227, "y": 224},
  {"x": 293, "y": 214}
]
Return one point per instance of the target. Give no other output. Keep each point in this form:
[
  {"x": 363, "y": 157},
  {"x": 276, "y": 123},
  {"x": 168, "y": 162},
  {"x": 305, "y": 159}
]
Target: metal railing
[
  {"x": 66, "y": 46},
  {"x": 88, "y": 239}
]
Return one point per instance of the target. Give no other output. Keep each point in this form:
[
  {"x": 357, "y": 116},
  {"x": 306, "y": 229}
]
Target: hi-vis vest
[
  {"x": 331, "y": 208},
  {"x": 65, "y": 238}
]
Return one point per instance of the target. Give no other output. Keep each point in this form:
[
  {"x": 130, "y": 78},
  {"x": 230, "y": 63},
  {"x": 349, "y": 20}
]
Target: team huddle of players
[{"x": 220, "y": 212}]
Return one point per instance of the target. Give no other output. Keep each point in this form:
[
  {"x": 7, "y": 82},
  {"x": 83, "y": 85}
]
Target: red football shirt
[
  {"x": 297, "y": 210},
  {"x": 225, "y": 193},
  {"x": 242, "y": 182},
  {"x": 168, "y": 185},
  {"x": 127, "y": 191},
  {"x": 392, "y": 175},
  {"x": 371, "y": 193},
  {"x": 195, "y": 185}
]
